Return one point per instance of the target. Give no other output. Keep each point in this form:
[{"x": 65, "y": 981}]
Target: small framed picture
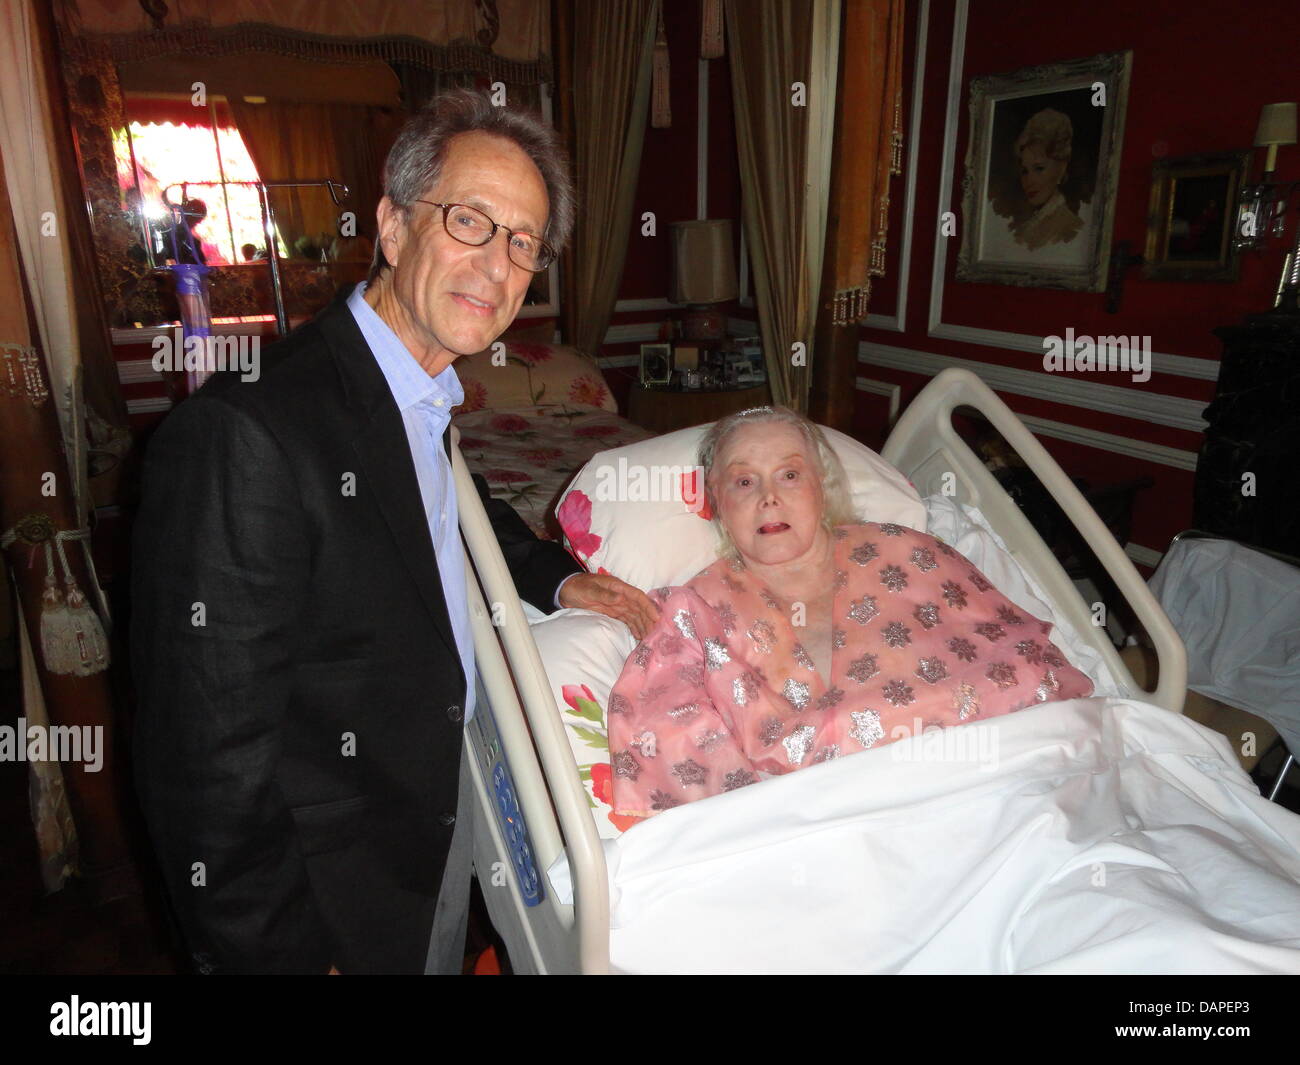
[
  {"x": 1191, "y": 217},
  {"x": 656, "y": 364}
]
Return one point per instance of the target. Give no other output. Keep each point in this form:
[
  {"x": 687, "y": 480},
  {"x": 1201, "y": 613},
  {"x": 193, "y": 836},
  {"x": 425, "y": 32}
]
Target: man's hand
[{"x": 608, "y": 595}]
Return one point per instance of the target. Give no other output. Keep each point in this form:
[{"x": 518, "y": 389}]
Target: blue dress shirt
[{"x": 425, "y": 403}]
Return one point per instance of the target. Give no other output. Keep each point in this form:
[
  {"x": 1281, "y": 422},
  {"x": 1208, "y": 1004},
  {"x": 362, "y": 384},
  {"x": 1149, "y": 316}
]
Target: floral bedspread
[{"x": 529, "y": 454}]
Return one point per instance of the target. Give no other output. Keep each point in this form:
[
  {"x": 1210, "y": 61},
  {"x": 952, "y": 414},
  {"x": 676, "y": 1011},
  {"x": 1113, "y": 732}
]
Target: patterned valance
[{"x": 503, "y": 40}]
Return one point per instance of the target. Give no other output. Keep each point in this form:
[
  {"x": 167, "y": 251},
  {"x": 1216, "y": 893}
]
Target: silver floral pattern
[
  {"x": 728, "y": 618},
  {"x": 863, "y": 554},
  {"x": 685, "y": 622},
  {"x": 1009, "y": 616},
  {"x": 715, "y": 654},
  {"x": 770, "y": 731},
  {"x": 890, "y": 529},
  {"x": 840, "y": 581},
  {"x": 690, "y": 772},
  {"x": 618, "y": 704},
  {"x": 763, "y": 636},
  {"x": 738, "y": 778},
  {"x": 661, "y": 800},
  {"x": 838, "y": 638},
  {"x": 923, "y": 559},
  {"x": 684, "y": 712},
  {"x": 963, "y": 649},
  {"x": 978, "y": 579},
  {"x": 932, "y": 670},
  {"x": 928, "y": 615},
  {"x": 827, "y": 754},
  {"x": 954, "y": 595},
  {"x": 991, "y": 631},
  {"x": 1030, "y": 650},
  {"x": 898, "y": 693},
  {"x": 625, "y": 765},
  {"x": 896, "y": 634},
  {"x": 641, "y": 655},
  {"x": 863, "y": 668},
  {"x": 710, "y": 740},
  {"x": 830, "y": 698},
  {"x": 966, "y": 701},
  {"x": 866, "y": 729},
  {"x": 1047, "y": 687},
  {"x": 797, "y": 693},
  {"x": 744, "y": 688},
  {"x": 802, "y": 656},
  {"x": 797, "y": 743},
  {"x": 1003, "y": 674},
  {"x": 893, "y": 578},
  {"x": 863, "y": 610}
]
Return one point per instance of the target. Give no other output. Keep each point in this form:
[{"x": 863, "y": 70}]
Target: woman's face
[
  {"x": 1039, "y": 175},
  {"x": 769, "y": 493}
]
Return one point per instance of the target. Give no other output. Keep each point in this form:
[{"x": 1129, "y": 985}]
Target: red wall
[{"x": 1200, "y": 74}]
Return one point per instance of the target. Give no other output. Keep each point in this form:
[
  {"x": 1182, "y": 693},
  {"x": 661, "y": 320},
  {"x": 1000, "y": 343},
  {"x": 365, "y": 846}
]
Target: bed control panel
[{"x": 487, "y": 747}]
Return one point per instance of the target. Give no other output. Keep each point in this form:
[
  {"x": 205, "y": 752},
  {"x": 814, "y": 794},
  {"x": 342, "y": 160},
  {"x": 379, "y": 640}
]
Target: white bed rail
[
  {"x": 925, "y": 446},
  {"x": 540, "y": 733}
]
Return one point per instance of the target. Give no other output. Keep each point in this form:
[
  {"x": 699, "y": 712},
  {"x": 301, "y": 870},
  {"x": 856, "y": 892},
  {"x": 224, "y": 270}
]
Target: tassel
[
  {"x": 711, "y": 46},
  {"x": 661, "y": 115},
  {"x": 73, "y": 641}
]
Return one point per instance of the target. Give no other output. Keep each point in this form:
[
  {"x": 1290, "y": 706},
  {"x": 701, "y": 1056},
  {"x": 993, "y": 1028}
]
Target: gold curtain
[
  {"x": 783, "y": 77},
  {"x": 868, "y": 150},
  {"x": 310, "y": 141},
  {"x": 613, "y": 44}
]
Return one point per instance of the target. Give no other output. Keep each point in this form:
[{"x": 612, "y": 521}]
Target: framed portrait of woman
[{"x": 1042, "y": 161}]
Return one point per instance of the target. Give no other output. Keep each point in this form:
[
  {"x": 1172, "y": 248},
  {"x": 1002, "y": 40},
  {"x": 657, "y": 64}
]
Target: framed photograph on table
[
  {"x": 656, "y": 364},
  {"x": 1042, "y": 160},
  {"x": 1191, "y": 217}
]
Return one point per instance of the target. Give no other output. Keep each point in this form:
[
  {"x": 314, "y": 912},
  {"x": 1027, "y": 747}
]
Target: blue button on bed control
[{"x": 516, "y": 835}]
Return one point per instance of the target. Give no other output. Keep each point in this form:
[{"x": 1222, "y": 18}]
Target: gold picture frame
[{"x": 1193, "y": 210}]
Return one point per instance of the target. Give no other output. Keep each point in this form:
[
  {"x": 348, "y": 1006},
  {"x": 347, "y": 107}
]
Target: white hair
[{"x": 837, "y": 501}]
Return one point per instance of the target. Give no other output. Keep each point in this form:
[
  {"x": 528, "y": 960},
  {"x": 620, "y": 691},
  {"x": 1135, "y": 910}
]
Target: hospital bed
[{"x": 534, "y": 813}]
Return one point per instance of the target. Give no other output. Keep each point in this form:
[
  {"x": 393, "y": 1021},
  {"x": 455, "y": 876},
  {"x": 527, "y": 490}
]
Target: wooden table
[{"x": 663, "y": 410}]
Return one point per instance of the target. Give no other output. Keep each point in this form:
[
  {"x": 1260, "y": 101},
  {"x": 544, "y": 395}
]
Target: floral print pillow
[{"x": 529, "y": 375}]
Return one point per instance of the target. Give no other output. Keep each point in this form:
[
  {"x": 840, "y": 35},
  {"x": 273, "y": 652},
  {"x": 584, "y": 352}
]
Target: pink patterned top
[{"x": 721, "y": 693}]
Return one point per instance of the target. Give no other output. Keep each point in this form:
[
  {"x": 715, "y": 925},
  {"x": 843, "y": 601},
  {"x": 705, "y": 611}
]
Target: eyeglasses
[{"x": 471, "y": 226}]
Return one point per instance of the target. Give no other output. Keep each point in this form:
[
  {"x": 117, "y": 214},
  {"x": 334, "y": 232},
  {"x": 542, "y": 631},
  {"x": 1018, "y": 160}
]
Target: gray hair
[
  {"x": 415, "y": 161},
  {"x": 838, "y": 509}
]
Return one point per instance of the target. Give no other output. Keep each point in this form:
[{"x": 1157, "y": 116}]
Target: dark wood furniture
[
  {"x": 663, "y": 410},
  {"x": 1247, "y": 483}
]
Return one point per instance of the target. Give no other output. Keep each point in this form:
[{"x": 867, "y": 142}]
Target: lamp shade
[
  {"x": 1276, "y": 125},
  {"x": 704, "y": 264}
]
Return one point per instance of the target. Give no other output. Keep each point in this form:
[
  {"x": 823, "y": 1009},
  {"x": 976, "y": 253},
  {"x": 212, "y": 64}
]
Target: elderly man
[{"x": 301, "y": 639}]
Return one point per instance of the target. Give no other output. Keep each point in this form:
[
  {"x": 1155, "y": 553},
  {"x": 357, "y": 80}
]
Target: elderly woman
[{"x": 813, "y": 636}]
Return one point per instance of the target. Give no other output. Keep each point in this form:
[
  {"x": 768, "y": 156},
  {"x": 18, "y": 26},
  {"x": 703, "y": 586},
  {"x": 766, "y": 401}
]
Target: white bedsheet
[{"x": 1093, "y": 835}]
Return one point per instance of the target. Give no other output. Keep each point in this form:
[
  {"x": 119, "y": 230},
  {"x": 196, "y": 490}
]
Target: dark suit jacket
[{"x": 300, "y": 729}]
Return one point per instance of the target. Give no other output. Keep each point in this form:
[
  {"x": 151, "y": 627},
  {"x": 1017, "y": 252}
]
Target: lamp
[
  {"x": 1262, "y": 208},
  {"x": 704, "y": 273}
]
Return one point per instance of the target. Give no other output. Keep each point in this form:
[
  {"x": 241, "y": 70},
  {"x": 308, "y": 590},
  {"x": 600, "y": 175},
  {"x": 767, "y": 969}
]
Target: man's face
[{"x": 444, "y": 298}]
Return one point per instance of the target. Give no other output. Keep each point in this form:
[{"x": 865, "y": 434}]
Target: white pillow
[
  {"x": 584, "y": 655},
  {"x": 655, "y": 538}
]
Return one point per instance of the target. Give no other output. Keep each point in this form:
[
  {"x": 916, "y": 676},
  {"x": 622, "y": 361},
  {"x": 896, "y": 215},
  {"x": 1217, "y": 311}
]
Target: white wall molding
[
  {"x": 1178, "y": 458},
  {"x": 137, "y": 372},
  {"x": 893, "y": 393},
  {"x": 1173, "y": 411},
  {"x": 628, "y": 306},
  {"x": 1143, "y": 556},
  {"x": 1177, "y": 365},
  {"x": 151, "y": 405}
]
